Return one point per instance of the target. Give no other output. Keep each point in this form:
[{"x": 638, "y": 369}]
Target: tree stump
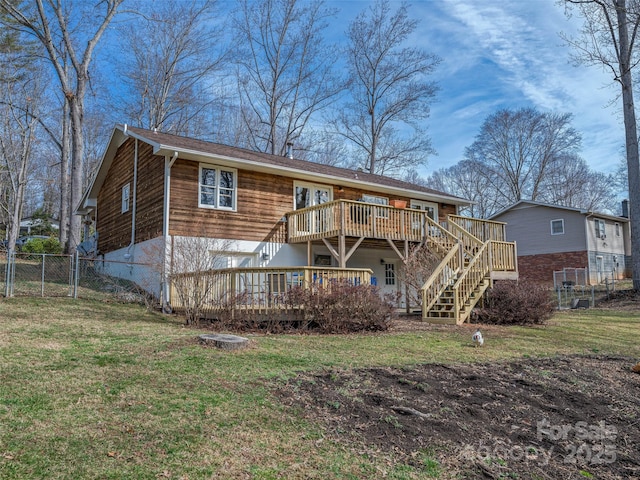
[{"x": 224, "y": 341}]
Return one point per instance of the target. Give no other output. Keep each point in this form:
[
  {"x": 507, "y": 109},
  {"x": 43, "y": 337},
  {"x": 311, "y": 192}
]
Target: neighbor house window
[
  {"x": 126, "y": 195},
  {"x": 600, "y": 232},
  {"x": 617, "y": 229},
  {"x": 218, "y": 187},
  {"x": 557, "y": 227}
]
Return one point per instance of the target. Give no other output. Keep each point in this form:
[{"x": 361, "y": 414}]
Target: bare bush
[
  {"x": 517, "y": 303},
  {"x": 194, "y": 261},
  {"x": 420, "y": 264},
  {"x": 343, "y": 307}
]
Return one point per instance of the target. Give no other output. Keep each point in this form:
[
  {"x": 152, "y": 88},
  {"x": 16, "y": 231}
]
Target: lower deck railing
[{"x": 258, "y": 289}]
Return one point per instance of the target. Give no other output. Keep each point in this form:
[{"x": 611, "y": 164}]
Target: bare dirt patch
[
  {"x": 625, "y": 300},
  {"x": 563, "y": 417}
]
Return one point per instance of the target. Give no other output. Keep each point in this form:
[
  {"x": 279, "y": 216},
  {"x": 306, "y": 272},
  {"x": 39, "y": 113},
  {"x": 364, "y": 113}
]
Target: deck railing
[
  {"x": 257, "y": 289},
  {"x": 359, "y": 219},
  {"x": 469, "y": 281},
  {"x": 442, "y": 278},
  {"x": 484, "y": 230}
]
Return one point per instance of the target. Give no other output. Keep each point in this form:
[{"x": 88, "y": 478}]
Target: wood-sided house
[{"x": 286, "y": 222}]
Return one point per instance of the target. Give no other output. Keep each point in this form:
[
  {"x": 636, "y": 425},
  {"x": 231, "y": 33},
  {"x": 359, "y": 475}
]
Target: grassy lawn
[{"x": 97, "y": 390}]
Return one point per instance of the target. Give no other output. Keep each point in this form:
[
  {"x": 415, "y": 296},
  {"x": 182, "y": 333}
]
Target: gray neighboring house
[{"x": 552, "y": 237}]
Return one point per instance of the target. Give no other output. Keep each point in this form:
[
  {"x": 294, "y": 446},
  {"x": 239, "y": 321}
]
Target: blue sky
[{"x": 507, "y": 54}]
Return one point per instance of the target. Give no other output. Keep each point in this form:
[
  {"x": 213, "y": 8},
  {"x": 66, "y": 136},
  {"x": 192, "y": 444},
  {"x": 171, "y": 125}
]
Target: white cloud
[{"x": 506, "y": 54}]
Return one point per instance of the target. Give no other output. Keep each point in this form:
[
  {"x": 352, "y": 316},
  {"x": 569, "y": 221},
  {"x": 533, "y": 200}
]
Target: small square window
[
  {"x": 557, "y": 227},
  {"x": 126, "y": 195}
]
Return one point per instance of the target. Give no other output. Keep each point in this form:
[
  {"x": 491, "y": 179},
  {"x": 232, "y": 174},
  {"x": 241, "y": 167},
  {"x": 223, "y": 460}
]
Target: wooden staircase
[{"x": 464, "y": 274}]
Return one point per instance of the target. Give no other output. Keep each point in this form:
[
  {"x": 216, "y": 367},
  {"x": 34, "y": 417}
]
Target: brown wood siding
[
  {"x": 150, "y": 204},
  {"x": 262, "y": 200},
  {"x": 445, "y": 209},
  {"x": 113, "y": 226}
]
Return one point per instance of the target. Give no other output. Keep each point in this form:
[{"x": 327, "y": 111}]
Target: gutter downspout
[
  {"x": 168, "y": 163},
  {"x": 128, "y": 256},
  {"x": 588, "y": 245}
]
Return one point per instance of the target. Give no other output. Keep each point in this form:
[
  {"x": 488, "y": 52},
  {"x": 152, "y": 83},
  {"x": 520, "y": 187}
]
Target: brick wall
[{"x": 540, "y": 268}]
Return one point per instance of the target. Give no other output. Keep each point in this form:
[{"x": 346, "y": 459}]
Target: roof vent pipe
[{"x": 290, "y": 149}]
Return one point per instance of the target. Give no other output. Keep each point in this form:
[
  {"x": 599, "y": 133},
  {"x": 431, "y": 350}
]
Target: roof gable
[{"x": 524, "y": 204}]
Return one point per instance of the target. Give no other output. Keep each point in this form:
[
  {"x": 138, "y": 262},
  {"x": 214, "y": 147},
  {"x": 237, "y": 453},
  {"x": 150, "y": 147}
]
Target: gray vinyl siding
[
  {"x": 530, "y": 226},
  {"x": 613, "y": 243}
]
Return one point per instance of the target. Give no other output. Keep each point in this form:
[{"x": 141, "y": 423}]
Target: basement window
[{"x": 389, "y": 274}]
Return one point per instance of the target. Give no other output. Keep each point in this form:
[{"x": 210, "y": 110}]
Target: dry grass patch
[{"x": 105, "y": 390}]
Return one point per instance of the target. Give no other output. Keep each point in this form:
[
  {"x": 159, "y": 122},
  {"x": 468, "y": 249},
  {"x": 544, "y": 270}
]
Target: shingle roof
[{"x": 166, "y": 141}]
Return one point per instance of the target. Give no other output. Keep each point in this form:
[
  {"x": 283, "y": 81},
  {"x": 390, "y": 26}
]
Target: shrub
[
  {"x": 517, "y": 303},
  {"x": 343, "y": 307},
  {"x": 337, "y": 307},
  {"x": 40, "y": 245}
]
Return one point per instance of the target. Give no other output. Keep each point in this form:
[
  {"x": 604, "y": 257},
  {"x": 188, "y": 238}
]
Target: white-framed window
[
  {"x": 557, "y": 227},
  {"x": 126, "y": 197},
  {"x": 429, "y": 207},
  {"x": 309, "y": 194},
  {"x": 389, "y": 274},
  {"x": 376, "y": 200},
  {"x": 217, "y": 187},
  {"x": 223, "y": 259},
  {"x": 617, "y": 229},
  {"x": 600, "y": 228}
]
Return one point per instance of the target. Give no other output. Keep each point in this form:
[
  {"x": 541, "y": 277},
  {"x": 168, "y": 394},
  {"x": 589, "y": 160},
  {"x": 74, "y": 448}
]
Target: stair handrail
[
  {"x": 438, "y": 233},
  {"x": 471, "y": 277},
  {"x": 470, "y": 242},
  {"x": 442, "y": 278}
]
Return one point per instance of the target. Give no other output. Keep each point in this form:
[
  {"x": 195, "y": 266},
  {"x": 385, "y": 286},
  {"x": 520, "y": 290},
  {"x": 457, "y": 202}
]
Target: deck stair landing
[{"x": 465, "y": 271}]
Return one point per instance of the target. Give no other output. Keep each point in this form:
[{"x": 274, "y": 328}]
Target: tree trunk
[
  {"x": 77, "y": 161},
  {"x": 631, "y": 137},
  {"x": 64, "y": 177}
]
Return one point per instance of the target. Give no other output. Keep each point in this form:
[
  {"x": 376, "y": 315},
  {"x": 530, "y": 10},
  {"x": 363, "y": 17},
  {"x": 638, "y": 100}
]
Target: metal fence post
[
  {"x": 42, "y": 278},
  {"x": 6, "y": 274},
  {"x": 11, "y": 272},
  {"x": 75, "y": 262}
]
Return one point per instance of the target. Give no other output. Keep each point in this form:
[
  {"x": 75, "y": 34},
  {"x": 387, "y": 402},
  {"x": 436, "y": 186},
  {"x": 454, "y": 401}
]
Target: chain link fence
[
  {"x": 47, "y": 275},
  {"x": 573, "y": 290}
]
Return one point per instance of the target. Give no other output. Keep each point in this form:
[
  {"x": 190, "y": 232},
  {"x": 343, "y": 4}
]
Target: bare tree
[
  {"x": 60, "y": 27},
  {"x": 174, "y": 49},
  {"x": 516, "y": 150},
  {"x": 608, "y": 38},
  {"x": 416, "y": 270},
  {"x": 284, "y": 69},
  {"x": 17, "y": 138},
  {"x": 389, "y": 91},
  {"x": 466, "y": 180},
  {"x": 572, "y": 183}
]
